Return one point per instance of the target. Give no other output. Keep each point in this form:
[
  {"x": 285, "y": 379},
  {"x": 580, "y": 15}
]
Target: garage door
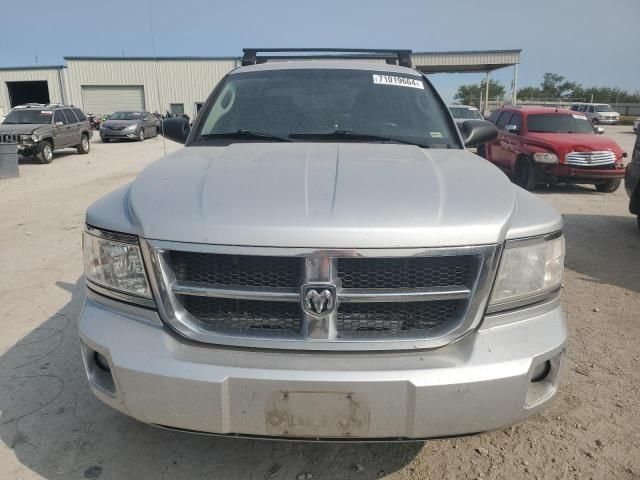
[{"x": 108, "y": 99}]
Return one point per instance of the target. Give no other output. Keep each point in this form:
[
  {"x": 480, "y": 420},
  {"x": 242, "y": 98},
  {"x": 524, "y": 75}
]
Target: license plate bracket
[{"x": 317, "y": 414}]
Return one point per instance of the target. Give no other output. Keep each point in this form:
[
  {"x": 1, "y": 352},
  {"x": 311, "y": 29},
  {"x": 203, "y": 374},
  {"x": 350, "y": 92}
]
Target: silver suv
[
  {"x": 39, "y": 129},
  {"x": 324, "y": 260}
]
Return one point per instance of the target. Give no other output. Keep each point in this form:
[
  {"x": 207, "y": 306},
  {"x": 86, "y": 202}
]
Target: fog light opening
[
  {"x": 101, "y": 362},
  {"x": 541, "y": 372}
]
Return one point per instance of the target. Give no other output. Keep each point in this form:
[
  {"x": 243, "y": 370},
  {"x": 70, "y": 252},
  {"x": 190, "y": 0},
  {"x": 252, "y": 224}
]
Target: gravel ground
[{"x": 52, "y": 427}]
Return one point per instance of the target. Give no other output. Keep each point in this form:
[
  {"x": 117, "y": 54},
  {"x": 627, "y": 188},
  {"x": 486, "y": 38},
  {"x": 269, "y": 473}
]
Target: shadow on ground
[
  {"x": 604, "y": 248},
  {"x": 59, "y": 430},
  {"x": 58, "y": 154},
  {"x": 567, "y": 188}
]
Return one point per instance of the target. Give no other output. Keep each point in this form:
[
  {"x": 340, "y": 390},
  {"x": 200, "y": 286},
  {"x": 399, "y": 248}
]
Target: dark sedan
[
  {"x": 632, "y": 180},
  {"x": 129, "y": 125}
]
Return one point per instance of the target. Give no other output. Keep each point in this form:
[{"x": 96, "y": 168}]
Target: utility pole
[
  {"x": 486, "y": 94},
  {"x": 514, "y": 98}
]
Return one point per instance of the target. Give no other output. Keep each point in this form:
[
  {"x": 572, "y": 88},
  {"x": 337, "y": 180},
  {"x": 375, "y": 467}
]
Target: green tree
[
  {"x": 527, "y": 93},
  {"x": 554, "y": 86},
  {"x": 470, "y": 94}
]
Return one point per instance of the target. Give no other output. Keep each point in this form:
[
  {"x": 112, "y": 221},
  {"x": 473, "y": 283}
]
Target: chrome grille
[
  {"x": 384, "y": 299},
  {"x": 590, "y": 158},
  {"x": 10, "y": 138}
]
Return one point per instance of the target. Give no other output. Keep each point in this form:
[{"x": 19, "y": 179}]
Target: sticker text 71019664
[{"x": 397, "y": 81}]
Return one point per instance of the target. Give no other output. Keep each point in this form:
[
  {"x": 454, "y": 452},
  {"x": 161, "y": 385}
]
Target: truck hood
[
  {"x": 21, "y": 129},
  {"x": 322, "y": 195},
  {"x": 577, "y": 142}
]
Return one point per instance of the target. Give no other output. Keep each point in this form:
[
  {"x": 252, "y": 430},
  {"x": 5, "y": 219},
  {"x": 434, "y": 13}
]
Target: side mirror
[
  {"x": 600, "y": 130},
  {"x": 511, "y": 128},
  {"x": 477, "y": 132},
  {"x": 176, "y": 129}
]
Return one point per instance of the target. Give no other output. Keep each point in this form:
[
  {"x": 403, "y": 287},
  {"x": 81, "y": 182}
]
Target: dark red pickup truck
[{"x": 551, "y": 145}]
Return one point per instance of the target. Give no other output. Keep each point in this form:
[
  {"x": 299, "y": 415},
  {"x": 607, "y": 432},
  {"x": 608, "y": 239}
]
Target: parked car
[
  {"x": 549, "y": 145},
  {"x": 462, "y": 113},
  {"x": 636, "y": 125},
  {"x": 598, "y": 113},
  {"x": 40, "y": 129},
  {"x": 129, "y": 125},
  {"x": 324, "y": 260},
  {"x": 632, "y": 180}
]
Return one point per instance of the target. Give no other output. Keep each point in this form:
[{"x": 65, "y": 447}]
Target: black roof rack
[{"x": 391, "y": 56}]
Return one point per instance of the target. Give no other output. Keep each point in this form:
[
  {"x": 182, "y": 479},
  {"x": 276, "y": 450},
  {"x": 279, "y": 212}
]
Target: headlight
[
  {"x": 114, "y": 261},
  {"x": 26, "y": 138},
  {"x": 527, "y": 272},
  {"x": 551, "y": 158},
  {"x": 131, "y": 127}
]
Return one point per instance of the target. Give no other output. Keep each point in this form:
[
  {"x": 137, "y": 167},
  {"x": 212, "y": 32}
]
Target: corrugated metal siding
[
  {"x": 179, "y": 81},
  {"x": 465, "y": 58},
  {"x": 52, "y": 76}
]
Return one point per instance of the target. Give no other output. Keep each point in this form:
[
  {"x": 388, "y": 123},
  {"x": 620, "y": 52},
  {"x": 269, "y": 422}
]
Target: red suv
[{"x": 551, "y": 145}]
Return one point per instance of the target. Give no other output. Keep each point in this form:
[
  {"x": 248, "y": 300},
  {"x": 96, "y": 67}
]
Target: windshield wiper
[
  {"x": 247, "y": 134},
  {"x": 351, "y": 135}
]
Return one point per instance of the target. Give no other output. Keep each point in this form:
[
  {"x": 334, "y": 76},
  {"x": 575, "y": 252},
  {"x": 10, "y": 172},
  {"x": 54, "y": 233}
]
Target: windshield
[
  {"x": 33, "y": 117},
  {"x": 603, "y": 108},
  {"x": 554, "y": 123},
  {"x": 125, "y": 116},
  {"x": 315, "y": 104},
  {"x": 463, "y": 113}
]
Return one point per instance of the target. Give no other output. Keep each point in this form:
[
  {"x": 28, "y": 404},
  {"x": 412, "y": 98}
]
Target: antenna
[
  {"x": 36, "y": 60},
  {"x": 155, "y": 64}
]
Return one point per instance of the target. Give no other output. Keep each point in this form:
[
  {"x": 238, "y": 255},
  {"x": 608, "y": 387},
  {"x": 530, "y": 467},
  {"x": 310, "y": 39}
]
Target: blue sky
[{"x": 594, "y": 42}]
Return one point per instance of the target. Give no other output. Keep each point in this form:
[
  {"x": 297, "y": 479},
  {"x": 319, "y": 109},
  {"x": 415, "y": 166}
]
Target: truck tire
[
  {"x": 609, "y": 186},
  {"x": 595, "y": 121},
  {"x": 45, "y": 152},
  {"x": 84, "y": 146},
  {"x": 525, "y": 174}
]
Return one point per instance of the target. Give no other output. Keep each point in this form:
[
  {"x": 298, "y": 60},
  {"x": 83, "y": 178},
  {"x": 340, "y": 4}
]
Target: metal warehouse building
[{"x": 103, "y": 85}]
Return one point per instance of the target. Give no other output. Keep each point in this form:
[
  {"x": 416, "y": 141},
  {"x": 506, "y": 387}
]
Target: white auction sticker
[
  {"x": 398, "y": 81},
  {"x": 579, "y": 117}
]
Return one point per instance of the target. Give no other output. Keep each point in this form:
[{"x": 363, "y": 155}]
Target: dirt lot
[{"x": 52, "y": 427}]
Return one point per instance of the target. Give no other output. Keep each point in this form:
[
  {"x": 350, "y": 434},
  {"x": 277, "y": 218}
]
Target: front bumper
[
  {"x": 482, "y": 382},
  {"x": 576, "y": 174},
  {"x": 608, "y": 120},
  {"x": 104, "y": 133}
]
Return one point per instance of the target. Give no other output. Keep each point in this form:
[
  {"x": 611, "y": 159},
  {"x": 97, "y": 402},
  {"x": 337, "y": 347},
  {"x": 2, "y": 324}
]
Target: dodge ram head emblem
[{"x": 319, "y": 300}]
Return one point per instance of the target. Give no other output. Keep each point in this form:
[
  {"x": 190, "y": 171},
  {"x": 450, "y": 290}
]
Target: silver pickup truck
[{"x": 324, "y": 260}]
